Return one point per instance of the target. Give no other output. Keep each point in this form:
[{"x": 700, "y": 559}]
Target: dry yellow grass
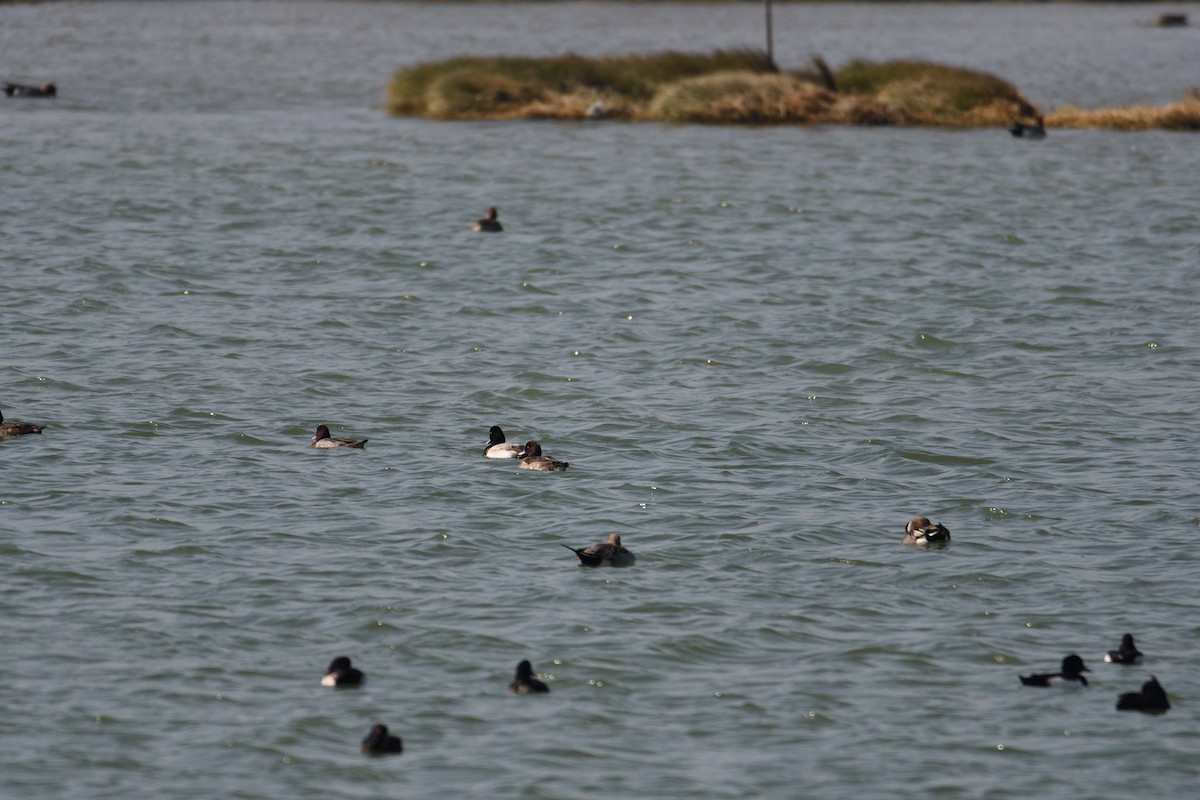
[
  {"x": 741, "y": 97},
  {"x": 1181, "y": 116}
]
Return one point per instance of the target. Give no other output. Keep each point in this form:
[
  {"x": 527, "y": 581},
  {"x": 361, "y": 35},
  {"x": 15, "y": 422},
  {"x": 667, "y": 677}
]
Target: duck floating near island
[{"x": 1034, "y": 131}]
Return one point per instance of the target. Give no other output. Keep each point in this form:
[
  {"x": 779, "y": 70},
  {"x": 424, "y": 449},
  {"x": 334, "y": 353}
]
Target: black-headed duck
[
  {"x": 1035, "y": 131},
  {"x": 498, "y": 448},
  {"x": 323, "y": 439},
  {"x": 610, "y": 553},
  {"x": 341, "y": 673},
  {"x": 921, "y": 532},
  {"x": 1151, "y": 699},
  {"x": 488, "y": 224},
  {"x": 1072, "y": 666},
  {"x": 524, "y": 682},
  {"x": 1127, "y": 653},
  {"x": 381, "y": 743},
  {"x": 532, "y": 458}
]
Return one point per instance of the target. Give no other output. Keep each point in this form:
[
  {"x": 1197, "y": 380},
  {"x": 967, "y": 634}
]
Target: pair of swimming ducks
[
  {"x": 530, "y": 453},
  {"x": 1152, "y": 698}
]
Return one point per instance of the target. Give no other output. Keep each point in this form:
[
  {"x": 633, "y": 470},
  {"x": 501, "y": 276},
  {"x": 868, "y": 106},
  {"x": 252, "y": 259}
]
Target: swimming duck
[
  {"x": 524, "y": 682},
  {"x": 1127, "y": 653},
  {"x": 381, "y": 743},
  {"x": 920, "y": 532},
  {"x": 488, "y": 224},
  {"x": 532, "y": 458},
  {"x": 342, "y": 674},
  {"x": 609, "y": 553},
  {"x": 498, "y": 448},
  {"x": 1152, "y": 698},
  {"x": 21, "y": 90},
  {"x": 323, "y": 439},
  {"x": 1034, "y": 131},
  {"x": 14, "y": 427},
  {"x": 1072, "y": 666}
]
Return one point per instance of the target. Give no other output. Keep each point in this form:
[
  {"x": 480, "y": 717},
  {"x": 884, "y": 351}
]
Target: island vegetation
[{"x": 740, "y": 87}]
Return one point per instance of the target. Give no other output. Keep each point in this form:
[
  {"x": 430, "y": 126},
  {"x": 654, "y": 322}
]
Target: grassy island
[{"x": 738, "y": 87}]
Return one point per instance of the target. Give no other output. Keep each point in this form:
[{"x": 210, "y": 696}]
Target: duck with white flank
[
  {"x": 921, "y": 532},
  {"x": 610, "y": 553},
  {"x": 14, "y": 427},
  {"x": 524, "y": 682},
  {"x": 342, "y": 674},
  {"x": 323, "y": 439},
  {"x": 1072, "y": 666},
  {"x": 488, "y": 224},
  {"x": 532, "y": 458},
  {"x": 498, "y": 448},
  {"x": 1127, "y": 653}
]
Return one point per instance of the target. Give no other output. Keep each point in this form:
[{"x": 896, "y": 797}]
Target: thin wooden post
[{"x": 770, "y": 37}]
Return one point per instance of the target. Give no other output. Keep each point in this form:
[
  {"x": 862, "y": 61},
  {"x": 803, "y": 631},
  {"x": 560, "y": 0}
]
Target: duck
[
  {"x": 489, "y": 223},
  {"x": 498, "y": 448},
  {"x": 15, "y": 427},
  {"x": 610, "y": 553},
  {"x": 524, "y": 682},
  {"x": 1127, "y": 653},
  {"x": 1034, "y": 131},
  {"x": 341, "y": 673},
  {"x": 381, "y": 743},
  {"x": 920, "y": 532},
  {"x": 21, "y": 90},
  {"x": 1072, "y": 666},
  {"x": 323, "y": 439},
  {"x": 532, "y": 458},
  {"x": 1152, "y": 698}
]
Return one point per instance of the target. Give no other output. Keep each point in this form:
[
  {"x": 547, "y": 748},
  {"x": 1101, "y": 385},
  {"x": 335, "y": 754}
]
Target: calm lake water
[{"x": 761, "y": 350}]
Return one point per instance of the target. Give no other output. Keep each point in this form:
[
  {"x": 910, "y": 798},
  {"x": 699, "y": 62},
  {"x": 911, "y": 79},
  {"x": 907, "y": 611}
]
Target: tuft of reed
[
  {"x": 441, "y": 89},
  {"x": 741, "y": 97},
  {"x": 1183, "y": 115},
  {"x": 924, "y": 93}
]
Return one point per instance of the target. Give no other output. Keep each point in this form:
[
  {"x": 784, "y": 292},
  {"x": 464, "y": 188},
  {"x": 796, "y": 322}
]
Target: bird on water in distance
[
  {"x": 489, "y": 223},
  {"x": 323, "y": 439},
  {"x": 341, "y": 673},
  {"x": 381, "y": 743},
  {"x": 532, "y": 458},
  {"x": 1152, "y": 699},
  {"x": 498, "y": 448},
  {"x": 921, "y": 532},
  {"x": 1127, "y": 653},
  {"x": 524, "y": 682},
  {"x": 1023, "y": 130},
  {"x": 608, "y": 553},
  {"x": 21, "y": 90},
  {"x": 1072, "y": 666},
  {"x": 15, "y": 427}
]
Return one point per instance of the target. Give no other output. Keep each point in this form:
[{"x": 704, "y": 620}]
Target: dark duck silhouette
[
  {"x": 489, "y": 223},
  {"x": 15, "y": 427},
  {"x": 1072, "y": 666},
  {"x": 608, "y": 553},
  {"x": 21, "y": 90},
  {"x": 1127, "y": 653},
  {"x": 523, "y": 681},
  {"x": 381, "y": 743},
  {"x": 1035, "y": 131},
  {"x": 1152, "y": 699},
  {"x": 532, "y": 458},
  {"x": 341, "y": 673}
]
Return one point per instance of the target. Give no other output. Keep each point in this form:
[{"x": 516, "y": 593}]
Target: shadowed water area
[{"x": 762, "y": 351}]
